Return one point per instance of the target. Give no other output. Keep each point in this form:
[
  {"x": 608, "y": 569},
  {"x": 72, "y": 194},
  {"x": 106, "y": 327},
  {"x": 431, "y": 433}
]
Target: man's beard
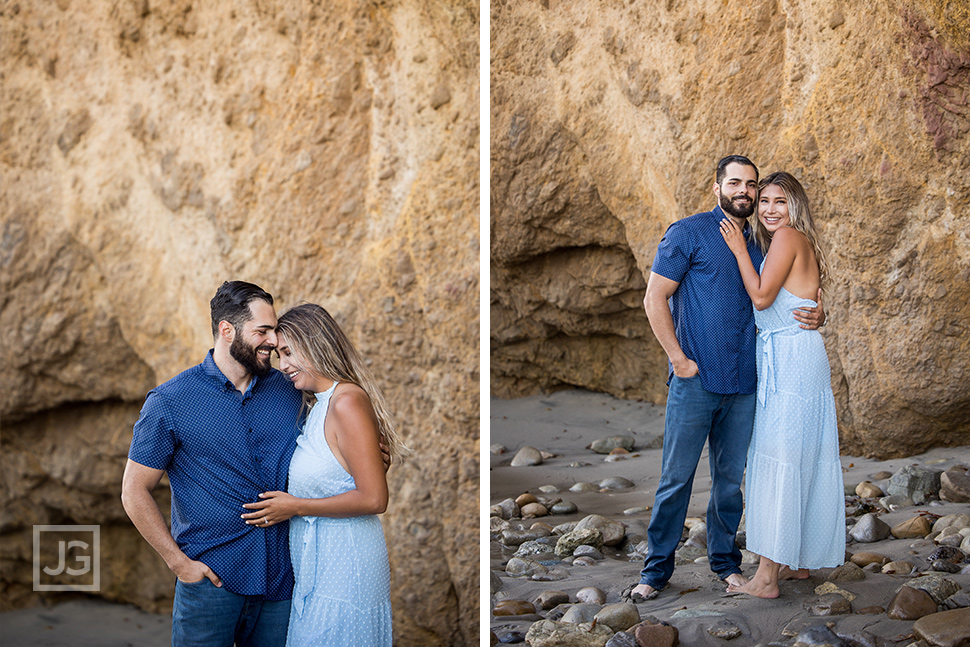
[
  {"x": 738, "y": 211},
  {"x": 246, "y": 355}
]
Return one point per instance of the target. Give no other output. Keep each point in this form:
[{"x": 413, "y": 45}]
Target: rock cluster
[
  {"x": 930, "y": 587},
  {"x": 606, "y": 123},
  {"x": 326, "y": 151}
]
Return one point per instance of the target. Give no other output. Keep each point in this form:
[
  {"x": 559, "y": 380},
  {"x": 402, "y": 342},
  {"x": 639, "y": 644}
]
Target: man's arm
[
  {"x": 136, "y": 497},
  {"x": 659, "y": 290}
]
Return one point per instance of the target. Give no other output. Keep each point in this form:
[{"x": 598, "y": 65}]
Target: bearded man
[
  {"x": 223, "y": 431},
  {"x": 708, "y": 333}
]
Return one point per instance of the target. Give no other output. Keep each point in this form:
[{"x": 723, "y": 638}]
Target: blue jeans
[
  {"x": 694, "y": 416},
  {"x": 209, "y": 616}
]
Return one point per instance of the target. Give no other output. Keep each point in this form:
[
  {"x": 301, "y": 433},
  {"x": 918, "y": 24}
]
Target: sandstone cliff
[
  {"x": 325, "y": 150},
  {"x": 606, "y": 122}
]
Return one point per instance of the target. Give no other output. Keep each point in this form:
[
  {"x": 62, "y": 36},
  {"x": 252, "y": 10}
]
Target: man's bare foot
[
  {"x": 735, "y": 580},
  {"x": 642, "y": 592},
  {"x": 785, "y": 573}
]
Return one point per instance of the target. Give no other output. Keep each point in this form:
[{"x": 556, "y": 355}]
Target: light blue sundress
[
  {"x": 342, "y": 591},
  {"x": 794, "y": 497}
]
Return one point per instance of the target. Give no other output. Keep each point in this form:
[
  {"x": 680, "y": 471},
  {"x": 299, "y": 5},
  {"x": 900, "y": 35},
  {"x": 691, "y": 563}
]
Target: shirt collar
[{"x": 213, "y": 371}]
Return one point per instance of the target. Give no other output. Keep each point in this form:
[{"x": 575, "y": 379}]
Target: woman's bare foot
[
  {"x": 786, "y": 573},
  {"x": 757, "y": 588},
  {"x": 735, "y": 580}
]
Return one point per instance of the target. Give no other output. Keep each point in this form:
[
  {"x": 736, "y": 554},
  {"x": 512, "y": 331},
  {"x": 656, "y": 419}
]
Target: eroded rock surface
[
  {"x": 326, "y": 151},
  {"x": 606, "y": 122}
]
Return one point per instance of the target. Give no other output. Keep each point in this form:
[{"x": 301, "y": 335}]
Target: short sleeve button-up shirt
[
  {"x": 712, "y": 312},
  {"x": 221, "y": 449}
]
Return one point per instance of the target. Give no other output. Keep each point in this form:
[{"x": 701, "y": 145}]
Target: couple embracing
[
  {"x": 748, "y": 375},
  {"x": 277, "y": 477}
]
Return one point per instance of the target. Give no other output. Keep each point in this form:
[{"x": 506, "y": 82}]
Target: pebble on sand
[
  {"x": 944, "y": 629},
  {"x": 527, "y": 456}
]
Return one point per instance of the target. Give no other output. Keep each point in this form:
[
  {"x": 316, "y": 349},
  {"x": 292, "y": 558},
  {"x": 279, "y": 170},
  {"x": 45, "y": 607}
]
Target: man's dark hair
[
  {"x": 733, "y": 159},
  {"x": 231, "y": 303}
]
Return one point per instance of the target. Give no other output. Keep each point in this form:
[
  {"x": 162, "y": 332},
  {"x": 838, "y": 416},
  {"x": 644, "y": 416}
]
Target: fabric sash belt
[
  {"x": 304, "y": 585},
  {"x": 768, "y": 360}
]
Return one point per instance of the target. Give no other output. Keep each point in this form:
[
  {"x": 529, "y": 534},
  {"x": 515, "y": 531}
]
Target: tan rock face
[
  {"x": 326, "y": 151},
  {"x": 606, "y": 123}
]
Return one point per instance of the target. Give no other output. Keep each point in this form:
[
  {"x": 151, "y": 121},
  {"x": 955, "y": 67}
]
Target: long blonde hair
[
  {"x": 799, "y": 215},
  {"x": 321, "y": 348}
]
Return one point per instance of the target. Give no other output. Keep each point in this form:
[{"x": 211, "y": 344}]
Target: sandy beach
[
  {"x": 85, "y": 623},
  {"x": 565, "y": 423}
]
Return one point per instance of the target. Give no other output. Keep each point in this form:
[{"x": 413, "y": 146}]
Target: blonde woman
[
  {"x": 793, "y": 485},
  {"x": 337, "y": 487}
]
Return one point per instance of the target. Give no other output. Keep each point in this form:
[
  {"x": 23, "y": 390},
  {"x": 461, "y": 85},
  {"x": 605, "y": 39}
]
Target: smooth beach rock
[
  {"x": 568, "y": 542},
  {"x": 511, "y": 637},
  {"x": 616, "y": 483},
  {"x": 697, "y": 535},
  {"x": 828, "y": 588},
  {"x": 534, "y": 548},
  {"x": 870, "y": 610},
  {"x": 510, "y": 509},
  {"x": 619, "y": 616},
  {"x": 965, "y": 545},
  {"x": 622, "y": 639},
  {"x": 910, "y": 604},
  {"x": 548, "y": 489},
  {"x": 513, "y": 537},
  {"x": 657, "y": 635},
  {"x": 496, "y": 448},
  {"x": 553, "y": 574},
  {"x": 938, "y": 586},
  {"x": 612, "y": 532},
  {"x": 868, "y": 490},
  {"x": 881, "y": 476},
  {"x": 948, "y": 553},
  {"x": 895, "y": 502},
  {"x": 588, "y": 551},
  {"x": 606, "y": 445},
  {"x": 957, "y": 520},
  {"x": 831, "y": 604},
  {"x": 898, "y": 567},
  {"x": 687, "y": 554},
  {"x": 911, "y": 528},
  {"x": 551, "y": 599},
  {"x": 591, "y": 595},
  {"x": 848, "y": 572},
  {"x": 724, "y": 630},
  {"x": 549, "y": 633},
  {"x": 525, "y": 498},
  {"x": 563, "y": 528},
  {"x": 532, "y": 510},
  {"x": 497, "y": 525},
  {"x": 523, "y": 567},
  {"x": 952, "y": 540},
  {"x": 955, "y": 485},
  {"x": 944, "y": 629},
  {"x": 864, "y": 558},
  {"x": 582, "y": 612},
  {"x": 564, "y": 507},
  {"x": 584, "y": 560},
  {"x": 513, "y": 608},
  {"x": 959, "y": 600},
  {"x": 747, "y": 557},
  {"x": 918, "y": 483},
  {"x": 583, "y": 486},
  {"x": 944, "y": 566},
  {"x": 818, "y": 634},
  {"x": 526, "y": 457},
  {"x": 870, "y": 528},
  {"x": 630, "y": 512}
]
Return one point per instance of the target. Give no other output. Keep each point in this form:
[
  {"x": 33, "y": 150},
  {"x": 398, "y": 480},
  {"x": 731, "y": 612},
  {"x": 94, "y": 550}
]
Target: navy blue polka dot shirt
[
  {"x": 713, "y": 316},
  {"x": 221, "y": 448}
]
